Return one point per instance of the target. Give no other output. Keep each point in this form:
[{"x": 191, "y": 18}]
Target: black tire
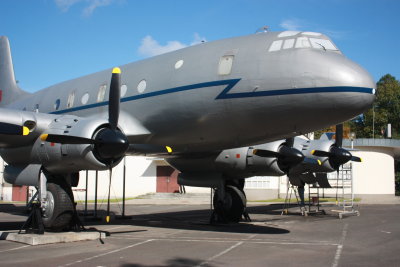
[
  {"x": 59, "y": 213},
  {"x": 233, "y": 206}
]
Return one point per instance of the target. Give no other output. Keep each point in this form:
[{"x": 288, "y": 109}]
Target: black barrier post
[
  {"x": 95, "y": 195},
  {"x": 123, "y": 189},
  {"x": 86, "y": 193}
]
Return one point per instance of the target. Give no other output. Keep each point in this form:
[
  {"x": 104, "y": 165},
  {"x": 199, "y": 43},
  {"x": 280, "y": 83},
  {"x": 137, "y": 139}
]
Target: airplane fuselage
[{"x": 223, "y": 94}]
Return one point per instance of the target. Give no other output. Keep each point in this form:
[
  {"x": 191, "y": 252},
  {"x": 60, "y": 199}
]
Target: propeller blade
[
  {"x": 288, "y": 155},
  {"x": 311, "y": 161},
  {"x": 320, "y": 153},
  {"x": 291, "y": 155},
  {"x": 356, "y": 159},
  {"x": 265, "y": 153},
  {"x": 339, "y": 135},
  {"x": 13, "y": 129},
  {"x": 66, "y": 139},
  {"x": 114, "y": 98},
  {"x": 108, "y": 199},
  {"x": 290, "y": 142}
]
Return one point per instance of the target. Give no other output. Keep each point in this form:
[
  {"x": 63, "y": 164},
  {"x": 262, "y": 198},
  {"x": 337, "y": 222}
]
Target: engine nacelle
[
  {"x": 233, "y": 163},
  {"x": 307, "y": 147},
  {"x": 61, "y": 158}
]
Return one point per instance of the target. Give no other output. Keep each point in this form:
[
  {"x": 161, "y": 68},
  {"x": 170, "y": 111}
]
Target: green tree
[{"x": 386, "y": 109}]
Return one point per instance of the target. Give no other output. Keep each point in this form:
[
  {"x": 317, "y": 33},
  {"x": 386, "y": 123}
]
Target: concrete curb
[{"x": 51, "y": 238}]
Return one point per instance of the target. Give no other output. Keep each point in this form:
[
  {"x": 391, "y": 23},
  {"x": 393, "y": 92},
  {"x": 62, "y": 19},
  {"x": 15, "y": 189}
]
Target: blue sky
[{"x": 56, "y": 40}]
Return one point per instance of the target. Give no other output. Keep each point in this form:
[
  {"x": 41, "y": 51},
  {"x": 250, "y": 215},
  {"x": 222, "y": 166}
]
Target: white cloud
[
  {"x": 91, "y": 5},
  {"x": 150, "y": 47},
  {"x": 64, "y": 5},
  {"x": 291, "y": 24}
]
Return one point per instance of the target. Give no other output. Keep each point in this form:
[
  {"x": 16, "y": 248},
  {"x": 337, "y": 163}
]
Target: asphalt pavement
[{"x": 176, "y": 234}]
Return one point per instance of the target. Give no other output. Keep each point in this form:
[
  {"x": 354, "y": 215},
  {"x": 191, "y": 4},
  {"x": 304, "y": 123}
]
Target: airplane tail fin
[{"x": 9, "y": 90}]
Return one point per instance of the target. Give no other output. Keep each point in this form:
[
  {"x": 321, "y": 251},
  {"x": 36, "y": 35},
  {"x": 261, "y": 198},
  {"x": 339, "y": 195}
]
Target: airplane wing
[{"x": 23, "y": 128}]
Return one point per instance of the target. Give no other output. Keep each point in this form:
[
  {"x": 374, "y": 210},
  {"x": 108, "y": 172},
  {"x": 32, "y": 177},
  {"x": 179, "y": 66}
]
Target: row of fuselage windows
[{"x": 224, "y": 68}]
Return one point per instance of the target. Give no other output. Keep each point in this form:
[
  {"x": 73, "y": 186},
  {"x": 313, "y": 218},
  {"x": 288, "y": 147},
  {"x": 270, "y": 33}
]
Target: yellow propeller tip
[
  {"x": 107, "y": 219},
  {"x": 319, "y": 163},
  {"x": 116, "y": 70},
  {"x": 169, "y": 149},
  {"x": 255, "y": 151},
  {"x": 43, "y": 137},
  {"x": 312, "y": 152},
  {"x": 361, "y": 160},
  {"x": 25, "y": 130}
]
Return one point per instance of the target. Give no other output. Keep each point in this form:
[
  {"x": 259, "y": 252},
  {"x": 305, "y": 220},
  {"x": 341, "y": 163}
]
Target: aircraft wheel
[
  {"x": 233, "y": 206},
  {"x": 58, "y": 209}
]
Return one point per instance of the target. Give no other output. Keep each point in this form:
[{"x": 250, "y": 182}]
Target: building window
[{"x": 258, "y": 182}]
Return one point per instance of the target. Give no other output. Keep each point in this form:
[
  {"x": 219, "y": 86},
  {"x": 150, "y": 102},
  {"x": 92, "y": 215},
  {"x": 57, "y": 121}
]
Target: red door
[
  {"x": 19, "y": 193},
  {"x": 167, "y": 180}
]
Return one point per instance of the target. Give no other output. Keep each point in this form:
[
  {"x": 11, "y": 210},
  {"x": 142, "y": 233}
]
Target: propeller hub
[
  {"x": 110, "y": 144},
  {"x": 290, "y": 156},
  {"x": 339, "y": 156}
]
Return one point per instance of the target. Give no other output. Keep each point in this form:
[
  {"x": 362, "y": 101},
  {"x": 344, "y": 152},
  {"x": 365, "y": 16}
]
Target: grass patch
[
  {"x": 113, "y": 200},
  {"x": 293, "y": 200}
]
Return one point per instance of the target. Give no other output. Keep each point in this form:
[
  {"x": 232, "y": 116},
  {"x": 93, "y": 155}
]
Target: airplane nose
[
  {"x": 354, "y": 81},
  {"x": 345, "y": 72}
]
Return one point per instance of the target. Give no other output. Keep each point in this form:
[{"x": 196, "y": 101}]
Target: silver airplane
[{"x": 218, "y": 112}]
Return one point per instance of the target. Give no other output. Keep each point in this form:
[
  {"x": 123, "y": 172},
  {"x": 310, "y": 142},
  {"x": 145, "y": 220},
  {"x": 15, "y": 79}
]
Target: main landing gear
[
  {"x": 229, "y": 204},
  {"x": 53, "y": 205}
]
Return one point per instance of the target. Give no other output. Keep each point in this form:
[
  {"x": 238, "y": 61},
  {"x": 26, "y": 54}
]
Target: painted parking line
[{"x": 108, "y": 253}]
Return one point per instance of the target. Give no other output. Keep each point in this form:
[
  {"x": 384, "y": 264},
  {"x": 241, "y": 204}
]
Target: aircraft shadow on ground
[
  {"x": 197, "y": 220},
  {"x": 182, "y": 220}
]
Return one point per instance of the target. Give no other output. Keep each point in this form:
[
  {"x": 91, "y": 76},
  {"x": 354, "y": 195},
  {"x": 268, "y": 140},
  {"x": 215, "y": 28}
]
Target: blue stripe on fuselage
[{"x": 225, "y": 93}]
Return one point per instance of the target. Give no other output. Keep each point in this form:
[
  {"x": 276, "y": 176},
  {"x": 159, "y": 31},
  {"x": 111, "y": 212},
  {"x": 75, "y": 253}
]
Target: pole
[
  {"x": 373, "y": 122},
  {"x": 95, "y": 195},
  {"x": 86, "y": 193},
  {"x": 123, "y": 189}
]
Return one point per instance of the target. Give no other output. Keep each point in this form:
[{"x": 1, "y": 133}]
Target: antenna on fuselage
[{"x": 262, "y": 29}]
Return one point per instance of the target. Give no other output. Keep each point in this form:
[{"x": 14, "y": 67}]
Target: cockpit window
[
  {"x": 275, "y": 46},
  {"x": 303, "y": 40},
  {"x": 322, "y": 44},
  {"x": 288, "y": 44}
]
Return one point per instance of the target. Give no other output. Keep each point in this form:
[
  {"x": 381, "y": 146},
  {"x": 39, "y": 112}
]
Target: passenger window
[
  {"x": 71, "y": 97},
  {"x": 102, "y": 92},
  {"x": 57, "y": 104},
  {"x": 225, "y": 65}
]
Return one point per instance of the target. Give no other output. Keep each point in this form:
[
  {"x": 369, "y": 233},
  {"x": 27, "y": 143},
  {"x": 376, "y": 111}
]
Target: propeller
[
  {"x": 110, "y": 144},
  {"x": 13, "y": 129},
  {"x": 336, "y": 154},
  {"x": 286, "y": 155}
]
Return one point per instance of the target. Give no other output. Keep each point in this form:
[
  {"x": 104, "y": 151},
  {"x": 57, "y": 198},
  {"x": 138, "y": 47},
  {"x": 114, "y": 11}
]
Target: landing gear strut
[
  {"x": 229, "y": 205},
  {"x": 56, "y": 202}
]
